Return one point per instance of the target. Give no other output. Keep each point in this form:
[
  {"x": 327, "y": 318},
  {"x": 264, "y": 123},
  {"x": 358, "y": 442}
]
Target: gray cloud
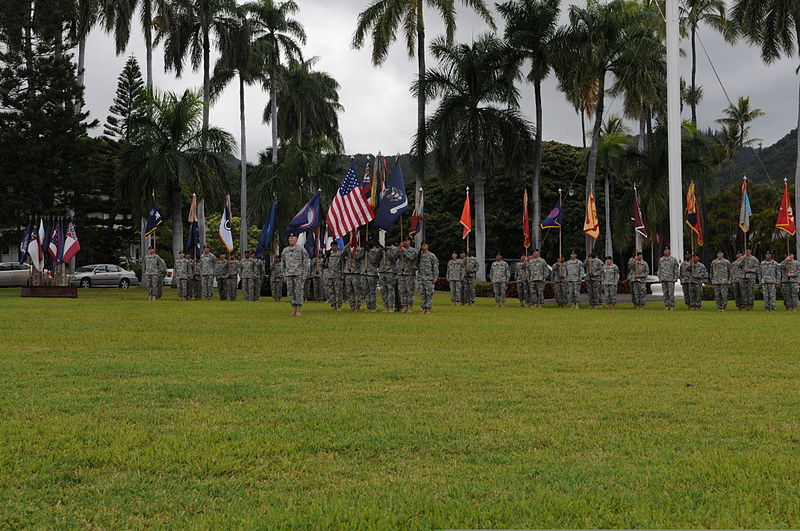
[{"x": 380, "y": 113}]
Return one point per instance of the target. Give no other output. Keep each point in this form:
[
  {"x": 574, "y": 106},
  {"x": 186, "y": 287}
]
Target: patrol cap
[
  {"x": 293, "y": 233},
  {"x": 609, "y": 258},
  {"x": 639, "y": 253}
]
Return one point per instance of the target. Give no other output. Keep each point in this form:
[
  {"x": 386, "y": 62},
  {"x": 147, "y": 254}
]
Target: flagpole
[
  {"x": 559, "y": 225},
  {"x": 470, "y": 220}
]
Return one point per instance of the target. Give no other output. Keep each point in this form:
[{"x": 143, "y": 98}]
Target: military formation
[{"x": 354, "y": 275}]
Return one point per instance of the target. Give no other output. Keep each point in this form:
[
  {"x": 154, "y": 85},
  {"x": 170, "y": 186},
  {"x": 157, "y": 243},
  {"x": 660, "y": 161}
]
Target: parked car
[
  {"x": 97, "y": 275},
  {"x": 14, "y": 274}
]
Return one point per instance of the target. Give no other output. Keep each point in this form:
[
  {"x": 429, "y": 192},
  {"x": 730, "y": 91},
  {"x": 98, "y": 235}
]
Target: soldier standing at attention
[
  {"x": 232, "y": 282},
  {"x": 406, "y": 266},
  {"x": 593, "y": 267},
  {"x": 668, "y": 274},
  {"x": 180, "y": 275},
  {"x": 685, "y": 273},
  {"x": 154, "y": 268},
  {"x": 352, "y": 269},
  {"x": 609, "y": 277},
  {"x": 499, "y": 274},
  {"x": 790, "y": 268},
  {"x": 721, "y": 278},
  {"x": 750, "y": 269},
  {"x": 637, "y": 275},
  {"x": 248, "y": 272},
  {"x": 770, "y": 277},
  {"x": 736, "y": 278},
  {"x": 574, "y": 273},
  {"x": 372, "y": 261},
  {"x": 294, "y": 268},
  {"x": 521, "y": 276},
  {"x": 455, "y": 276},
  {"x": 333, "y": 274},
  {"x": 427, "y": 273},
  {"x": 388, "y": 276},
  {"x": 276, "y": 279},
  {"x": 221, "y": 274},
  {"x": 560, "y": 282},
  {"x": 207, "y": 262},
  {"x": 316, "y": 277},
  {"x": 698, "y": 275},
  {"x": 261, "y": 272},
  {"x": 470, "y": 277},
  {"x": 537, "y": 274},
  {"x": 195, "y": 281}
]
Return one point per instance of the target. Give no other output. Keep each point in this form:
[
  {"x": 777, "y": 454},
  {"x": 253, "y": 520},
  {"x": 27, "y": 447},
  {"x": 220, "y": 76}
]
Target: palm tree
[
  {"x": 530, "y": 30},
  {"x": 604, "y": 39},
  {"x": 381, "y": 21},
  {"x": 188, "y": 33},
  {"x": 82, "y": 18},
  {"x": 774, "y": 26},
  {"x": 614, "y": 143},
  {"x": 477, "y": 120},
  {"x": 170, "y": 152},
  {"x": 736, "y": 118},
  {"x": 308, "y": 104},
  {"x": 280, "y": 35}
]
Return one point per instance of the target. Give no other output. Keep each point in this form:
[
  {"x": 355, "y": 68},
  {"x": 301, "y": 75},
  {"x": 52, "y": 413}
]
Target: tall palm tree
[
  {"x": 280, "y": 35},
  {"x": 308, "y": 104},
  {"x": 170, "y": 152},
  {"x": 530, "y": 30},
  {"x": 603, "y": 39},
  {"x": 239, "y": 58},
  {"x": 188, "y": 33},
  {"x": 477, "y": 120},
  {"x": 380, "y": 22},
  {"x": 83, "y": 16},
  {"x": 736, "y": 118},
  {"x": 614, "y": 142}
]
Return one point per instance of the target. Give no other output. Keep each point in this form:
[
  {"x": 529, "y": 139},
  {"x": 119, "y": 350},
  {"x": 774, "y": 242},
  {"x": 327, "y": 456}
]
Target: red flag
[
  {"x": 693, "y": 214},
  {"x": 786, "y": 214},
  {"x": 526, "y": 222},
  {"x": 466, "y": 218}
]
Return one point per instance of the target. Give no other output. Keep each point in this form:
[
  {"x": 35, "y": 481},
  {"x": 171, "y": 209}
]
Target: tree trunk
[
  {"x": 201, "y": 214},
  {"x": 81, "y": 63},
  {"x": 480, "y": 218},
  {"x": 273, "y": 96},
  {"x": 421, "y": 131},
  {"x": 243, "y": 154},
  {"x": 31, "y": 89},
  {"x": 693, "y": 101},
  {"x": 537, "y": 167},
  {"x": 206, "y": 78},
  {"x": 609, "y": 242},
  {"x": 591, "y": 172},
  {"x": 175, "y": 200},
  {"x": 642, "y": 131},
  {"x": 148, "y": 40},
  {"x": 583, "y": 127}
]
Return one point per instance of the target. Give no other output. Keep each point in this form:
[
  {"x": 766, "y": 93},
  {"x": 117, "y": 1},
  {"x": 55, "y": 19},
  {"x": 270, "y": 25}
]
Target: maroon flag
[{"x": 636, "y": 217}]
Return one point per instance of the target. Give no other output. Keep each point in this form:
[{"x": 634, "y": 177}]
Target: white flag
[{"x": 225, "y": 235}]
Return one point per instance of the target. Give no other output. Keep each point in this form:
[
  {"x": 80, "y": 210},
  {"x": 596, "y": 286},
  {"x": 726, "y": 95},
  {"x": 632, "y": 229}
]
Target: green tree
[
  {"x": 130, "y": 89},
  {"x": 380, "y": 23},
  {"x": 477, "y": 120},
  {"x": 735, "y": 120}
]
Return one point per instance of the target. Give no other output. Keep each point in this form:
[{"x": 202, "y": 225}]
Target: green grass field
[{"x": 116, "y": 412}]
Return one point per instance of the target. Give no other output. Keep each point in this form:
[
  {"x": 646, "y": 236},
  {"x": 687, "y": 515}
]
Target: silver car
[
  {"x": 14, "y": 274},
  {"x": 97, "y": 275}
]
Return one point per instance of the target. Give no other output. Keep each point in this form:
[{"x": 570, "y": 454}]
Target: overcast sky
[{"x": 379, "y": 111}]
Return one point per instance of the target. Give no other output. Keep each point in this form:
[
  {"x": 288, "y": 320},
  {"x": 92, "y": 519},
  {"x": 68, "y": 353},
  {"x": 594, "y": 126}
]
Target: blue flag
[
  {"x": 393, "y": 202},
  {"x": 553, "y": 219},
  {"x": 307, "y": 219},
  {"x": 23, "y": 245},
  {"x": 311, "y": 244},
  {"x": 266, "y": 233},
  {"x": 153, "y": 218}
]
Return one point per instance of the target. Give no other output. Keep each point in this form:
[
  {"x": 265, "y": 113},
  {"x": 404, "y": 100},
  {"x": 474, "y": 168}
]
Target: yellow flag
[{"x": 591, "y": 225}]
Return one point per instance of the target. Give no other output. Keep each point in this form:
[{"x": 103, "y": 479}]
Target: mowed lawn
[{"x": 116, "y": 413}]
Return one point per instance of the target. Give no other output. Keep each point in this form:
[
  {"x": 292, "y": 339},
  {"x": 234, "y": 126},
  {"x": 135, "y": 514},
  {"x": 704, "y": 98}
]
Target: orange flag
[
  {"x": 591, "y": 225},
  {"x": 466, "y": 218},
  {"x": 786, "y": 214}
]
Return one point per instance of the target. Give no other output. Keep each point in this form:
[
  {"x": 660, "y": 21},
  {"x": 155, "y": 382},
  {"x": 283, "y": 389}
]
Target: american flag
[{"x": 349, "y": 208}]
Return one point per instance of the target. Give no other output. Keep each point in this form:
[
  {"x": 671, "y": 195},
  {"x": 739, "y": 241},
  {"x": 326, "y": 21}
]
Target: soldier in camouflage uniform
[
  {"x": 521, "y": 276},
  {"x": 721, "y": 278},
  {"x": 221, "y": 274},
  {"x": 685, "y": 273},
  {"x": 261, "y": 272},
  {"x": 195, "y": 280},
  {"x": 153, "y": 271},
  {"x": 750, "y": 269},
  {"x": 276, "y": 279},
  {"x": 427, "y": 273},
  {"x": 247, "y": 268},
  {"x": 406, "y": 269},
  {"x": 593, "y": 267},
  {"x": 455, "y": 278},
  {"x": 352, "y": 268},
  {"x": 668, "y": 274},
  {"x": 609, "y": 279},
  {"x": 372, "y": 261},
  {"x": 316, "y": 290},
  {"x": 560, "y": 282},
  {"x": 697, "y": 275},
  {"x": 574, "y": 274},
  {"x": 334, "y": 284},
  {"x": 537, "y": 274},
  {"x": 232, "y": 282},
  {"x": 736, "y": 278},
  {"x": 499, "y": 274},
  {"x": 207, "y": 262},
  {"x": 470, "y": 278},
  {"x": 180, "y": 275},
  {"x": 770, "y": 277},
  {"x": 388, "y": 277},
  {"x": 294, "y": 268},
  {"x": 790, "y": 276},
  {"x": 637, "y": 276}
]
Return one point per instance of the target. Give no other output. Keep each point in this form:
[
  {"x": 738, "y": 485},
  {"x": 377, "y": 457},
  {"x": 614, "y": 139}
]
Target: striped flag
[{"x": 349, "y": 208}]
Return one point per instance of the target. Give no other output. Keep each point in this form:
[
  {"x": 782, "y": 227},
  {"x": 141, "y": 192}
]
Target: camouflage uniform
[
  {"x": 317, "y": 291},
  {"x": 594, "y": 285},
  {"x": 521, "y": 276},
  {"x": 668, "y": 274},
  {"x": 790, "y": 276},
  {"x": 609, "y": 279},
  {"x": 195, "y": 280},
  {"x": 560, "y": 282},
  {"x": 248, "y": 272},
  {"x": 406, "y": 264},
  {"x": 637, "y": 276},
  {"x": 371, "y": 264},
  {"x": 499, "y": 274},
  {"x": 154, "y": 269},
  {"x": 455, "y": 277},
  {"x": 207, "y": 262},
  {"x": 353, "y": 268},
  {"x": 180, "y": 276},
  {"x": 574, "y": 273},
  {"x": 696, "y": 276},
  {"x": 721, "y": 272},
  {"x": 294, "y": 268},
  {"x": 427, "y": 273},
  {"x": 221, "y": 274},
  {"x": 736, "y": 276},
  {"x": 750, "y": 269},
  {"x": 334, "y": 283},
  {"x": 537, "y": 274},
  {"x": 261, "y": 272},
  {"x": 276, "y": 281},
  {"x": 770, "y": 277},
  {"x": 388, "y": 276},
  {"x": 470, "y": 277},
  {"x": 232, "y": 282}
]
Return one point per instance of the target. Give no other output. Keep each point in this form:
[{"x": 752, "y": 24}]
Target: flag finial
[{"x": 744, "y": 178}]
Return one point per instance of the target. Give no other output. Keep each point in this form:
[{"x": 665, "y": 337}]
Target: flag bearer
[
  {"x": 196, "y": 280},
  {"x": 276, "y": 279},
  {"x": 261, "y": 272},
  {"x": 455, "y": 277},
  {"x": 248, "y": 272},
  {"x": 697, "y": 275},
  {"x": 537, "y": 274},
  {"x": 750, "y": 269},
  {"x": 154, "y": 270},
  {"x": 427, "y": 273},
  {"x": 737, "y": 276},
  {"x": 353, "y": 269},
  {"x": 372, "y": 262},
  {"x": 521, "y": 276},
  {"x": 221, "y": 274},
  {"x": 180, "y": 275},
  {"x": 207, "y": 261},
  {"x": 406, "y": 268},
  {"x": 721, "y": 278},
  {"x": 560, "y": 282},
  {"x": 668, "y": 274},
  {"x": 593, "y": 267},
  {"x": 316, "y": 290},
  {"x": 790, "y": 276},
  {"x": 333, "y": 277},
  {"x": 388, "y": 276},
  {"x": 637, "y": 275},
  {"x": 232, "y": 282},
  {"x": 574, "y": 274},
  {"x": 609, "y": 278},
  {"x": 499, "y": 274},
  {"x": 470, "y": 277},
  {"x": 294, "y": 268},
  {"x": 770, "y": 277}
]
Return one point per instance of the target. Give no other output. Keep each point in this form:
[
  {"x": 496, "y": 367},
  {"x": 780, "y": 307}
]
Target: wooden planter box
[{"x": 51, "y": 292}]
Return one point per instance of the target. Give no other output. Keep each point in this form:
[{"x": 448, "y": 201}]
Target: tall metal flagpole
[{"x": 674, "y": 131}]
